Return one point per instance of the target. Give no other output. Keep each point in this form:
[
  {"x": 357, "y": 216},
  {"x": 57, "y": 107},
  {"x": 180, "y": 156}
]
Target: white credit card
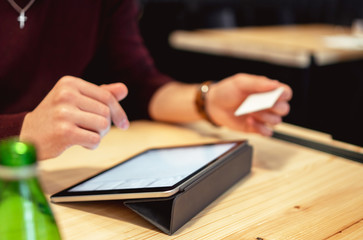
[{"x": 259, "y": 101}]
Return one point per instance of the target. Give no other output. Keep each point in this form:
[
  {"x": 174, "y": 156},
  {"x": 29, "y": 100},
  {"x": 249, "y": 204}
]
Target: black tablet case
[{"x": 170, "y": 214}]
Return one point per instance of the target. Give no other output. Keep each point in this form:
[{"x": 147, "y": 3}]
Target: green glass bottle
[{"x": 24, "y": 210}]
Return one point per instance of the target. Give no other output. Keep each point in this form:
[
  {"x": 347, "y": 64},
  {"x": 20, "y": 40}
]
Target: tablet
[{"x": 154, "y": 173}]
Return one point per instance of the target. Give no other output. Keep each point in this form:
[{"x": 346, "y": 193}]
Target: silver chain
[{"x": 22, "y": 18}]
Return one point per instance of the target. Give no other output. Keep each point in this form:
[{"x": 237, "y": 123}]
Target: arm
[
  {"x": 175, "y": 102},
  {"x": 76, "y": 112}
]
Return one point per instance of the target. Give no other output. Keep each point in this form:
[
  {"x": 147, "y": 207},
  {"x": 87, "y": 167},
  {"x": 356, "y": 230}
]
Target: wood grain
[{"x": 292, "y": 192}]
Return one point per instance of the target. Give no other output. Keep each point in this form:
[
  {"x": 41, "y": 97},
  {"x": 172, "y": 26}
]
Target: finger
[
  {"x": 286, "y": 94},
  {"x": 253, "y": 83},
  {"x": 68, "y": 134},
  {"x": 92, "y": 106},
  {"x": 85, "y": 138},
  {"x": 118, "y": 115},
  {"x": 118, "y": 90},
  {"x": 258, "y": 127},
  {"x": 281, "y": 108},
  {"x": 96, "y": 92},
  {"x": 267, "y": 117},
  {"x": 89, "y": 121}
]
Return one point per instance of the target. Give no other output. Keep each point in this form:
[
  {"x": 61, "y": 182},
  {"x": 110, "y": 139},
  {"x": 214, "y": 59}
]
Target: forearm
[{"x": 175, "y": 102}]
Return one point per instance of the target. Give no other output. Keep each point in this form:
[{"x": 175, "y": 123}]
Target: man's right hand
[{"x": 74, "y": 112}]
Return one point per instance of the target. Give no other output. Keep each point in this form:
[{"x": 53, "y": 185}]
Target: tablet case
[{"x": 170, "y": 214}]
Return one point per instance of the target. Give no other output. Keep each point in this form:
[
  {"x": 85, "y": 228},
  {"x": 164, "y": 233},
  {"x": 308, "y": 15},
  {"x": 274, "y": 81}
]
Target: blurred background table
[
  {"x": 326, "y": 77},
  {"x": 293, "y": 192},
  {"x": 286, "y": 45},
  {"x": 334, "y": 89}
]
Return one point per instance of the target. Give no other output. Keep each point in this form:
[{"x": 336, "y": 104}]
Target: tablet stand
[{"x": 169, "y": 214}]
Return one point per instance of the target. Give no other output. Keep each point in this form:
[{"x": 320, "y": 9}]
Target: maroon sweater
[{"x": 95, "y": 40}]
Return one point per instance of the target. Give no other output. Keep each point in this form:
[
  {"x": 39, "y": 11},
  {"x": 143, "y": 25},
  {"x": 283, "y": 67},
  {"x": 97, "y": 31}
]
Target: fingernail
[
  {"x": 275, "y": 82},
  {"x": 125, "y": 124}
]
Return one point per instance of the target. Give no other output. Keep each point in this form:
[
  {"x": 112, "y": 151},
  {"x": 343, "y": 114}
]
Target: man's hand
[
  {"x": 74, "y": 112},
  {"x": 225, "y": 97}
]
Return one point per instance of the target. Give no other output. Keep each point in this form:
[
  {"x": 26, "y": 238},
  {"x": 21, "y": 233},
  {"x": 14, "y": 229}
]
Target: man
[{"x": 50, "y": 48}]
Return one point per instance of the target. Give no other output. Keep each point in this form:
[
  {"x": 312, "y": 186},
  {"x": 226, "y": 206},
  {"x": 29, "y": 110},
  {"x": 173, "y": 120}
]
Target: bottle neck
[{"x": 18, "y": 173}]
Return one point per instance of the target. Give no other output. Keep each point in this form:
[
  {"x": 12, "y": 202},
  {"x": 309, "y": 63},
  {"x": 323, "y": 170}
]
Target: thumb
[
  {"x": 118, "y": 90},
  {"x": 255, "y": 84}
]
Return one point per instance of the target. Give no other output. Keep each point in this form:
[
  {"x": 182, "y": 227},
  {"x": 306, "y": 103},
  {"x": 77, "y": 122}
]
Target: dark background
[{"x": 335, "y": 92}]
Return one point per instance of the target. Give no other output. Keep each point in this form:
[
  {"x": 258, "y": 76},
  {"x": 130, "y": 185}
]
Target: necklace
[{"x": 22, "y": 18}]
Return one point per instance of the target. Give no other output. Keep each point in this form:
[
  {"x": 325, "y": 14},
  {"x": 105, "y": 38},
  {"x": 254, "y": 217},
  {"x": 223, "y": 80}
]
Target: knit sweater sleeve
[
  {"x": 10, "y": 124},
  {"x": 131, "y": 61}
]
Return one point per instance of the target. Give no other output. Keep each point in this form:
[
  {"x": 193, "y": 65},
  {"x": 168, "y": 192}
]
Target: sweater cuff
[{"x": 10, "y": 124}]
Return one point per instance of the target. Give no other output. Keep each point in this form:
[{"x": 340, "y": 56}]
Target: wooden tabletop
[
  {"x": 293, "y": 192},
  {"x": 287, "y": 45}
]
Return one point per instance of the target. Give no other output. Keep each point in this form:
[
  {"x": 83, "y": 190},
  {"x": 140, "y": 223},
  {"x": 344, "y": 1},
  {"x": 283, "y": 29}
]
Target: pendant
[{"x": 22, "y": 18}]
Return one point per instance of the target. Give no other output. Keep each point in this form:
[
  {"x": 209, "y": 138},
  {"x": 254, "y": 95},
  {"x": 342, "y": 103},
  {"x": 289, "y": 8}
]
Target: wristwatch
[{"x": 200, "y": 101}]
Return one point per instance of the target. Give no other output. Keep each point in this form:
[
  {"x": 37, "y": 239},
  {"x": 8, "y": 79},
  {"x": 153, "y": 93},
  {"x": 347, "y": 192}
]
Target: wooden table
[
  {"x": 292, "y": 192},
  {"x": 290, "y": 45}
]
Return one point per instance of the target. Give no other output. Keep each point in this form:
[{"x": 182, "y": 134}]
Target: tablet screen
[
  {"x": 155, "y": 168},
  {"x": 158, "y": 172}
]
